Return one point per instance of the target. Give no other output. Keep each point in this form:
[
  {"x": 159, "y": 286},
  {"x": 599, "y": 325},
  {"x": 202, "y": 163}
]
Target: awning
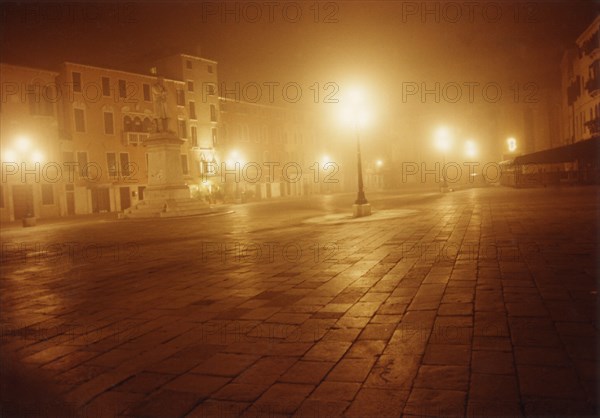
[{"x": 588, "y": 150}]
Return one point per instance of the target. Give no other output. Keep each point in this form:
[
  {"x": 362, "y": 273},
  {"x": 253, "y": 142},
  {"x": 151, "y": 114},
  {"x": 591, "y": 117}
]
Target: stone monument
[{"x": 166, "y": 195}]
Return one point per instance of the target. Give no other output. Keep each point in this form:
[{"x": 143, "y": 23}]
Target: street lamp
[
  {"x": 442, "y": 138},
  {"x": 378, "y": 174},
  {"x": 512, "y": 144},
  {"x": 470, "y": 149},
  {"x": 359, "y": 117},
  {"x": 22, "y": 152}
]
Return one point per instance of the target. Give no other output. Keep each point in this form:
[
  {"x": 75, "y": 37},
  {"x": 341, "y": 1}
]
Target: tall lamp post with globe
[{"x": 357, "y": 115}]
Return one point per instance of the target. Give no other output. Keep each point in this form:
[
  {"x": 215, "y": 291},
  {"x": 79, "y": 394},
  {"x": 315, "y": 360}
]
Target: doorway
[
  {"x": 100, "y": 200},
  {"x": 22, "y": 201},
  {"x": 125, "y": 198}
]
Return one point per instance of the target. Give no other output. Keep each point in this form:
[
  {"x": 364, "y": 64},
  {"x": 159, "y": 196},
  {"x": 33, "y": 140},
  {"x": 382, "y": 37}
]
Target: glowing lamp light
[
  {"x": 442, "y": 137},
  {"x": 355, "y": 96},
  {"x": 9, "y": 156},
  {"x": 470, "y": 148},
  {"x": 354, "y": 111},
  {"x": 234, "y": 157},
  {"x": 379, "y": 163},
  {"x": 23, "y": 144},
  {"x": 512, "y": 144},
  {"x": 37, "y": 157}
]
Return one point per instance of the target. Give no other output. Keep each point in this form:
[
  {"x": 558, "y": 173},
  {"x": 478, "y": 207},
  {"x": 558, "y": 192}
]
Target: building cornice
[{"x": 23, "y": 67}]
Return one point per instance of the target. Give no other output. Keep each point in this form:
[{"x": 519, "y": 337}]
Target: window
[
  {"x": 47, "y": 194},
  {"x": 47, "y": 108},
  {"x": 210, "y": 69},
  {"x": 210, "y": 89},
  {"x": 188, "y": 64},
  {"x": 192, "y": 110},
  {"x": 127, "y": 124},
  {"x": 190, "y": 85},
  {"x": 79, "y": 115},
  {"x": 138, "y": 125},
  {"x": 146, "y": 88},
  {"x": 182, "y": 129},
  {"x": 213, "y": 113},
  {"x": 76, "y": 77},
  {"x": 122, "y": 88},
  {"x": 214, "y": 136},
  {"x": 180, "y": 97},
  {"x": 109, "y": 124},
  {"x": 124, "y": 159},
  {"x": 111, "y": 162},
  {"x": 82, "y": 162},
  {"x": 147, "y": 125},
  {"x": 40, "y": 104},
  {"x": 184, "y": 165},
  {"x": 194, "y": 136},
  {"x": 105, "y": 86}
]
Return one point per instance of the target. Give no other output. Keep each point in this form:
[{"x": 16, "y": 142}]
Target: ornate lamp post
[{"x": 361, "y": 206}]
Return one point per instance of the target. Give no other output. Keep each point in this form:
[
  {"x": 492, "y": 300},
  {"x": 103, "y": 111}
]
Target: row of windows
[
  {"x": 581, "y": 120},
  {"x": 47, "y": 195},
  {"x": 190, "y": 65},
  {"x": 128, "y": 90},
  {"x": 182, "y": 130},
  {"x": 133, "y": 124},
  {"x": 192, "y": 111},
  {"x": 211, "y": 90},
  {"x": 117, "y": 163},
  {"x": 114, "y": 170},
  {"x": 242, "y": 132},
  {"x": 123, "y": 87}
]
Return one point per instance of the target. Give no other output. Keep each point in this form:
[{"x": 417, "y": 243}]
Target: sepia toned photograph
[{"x": 308, "y": 209}]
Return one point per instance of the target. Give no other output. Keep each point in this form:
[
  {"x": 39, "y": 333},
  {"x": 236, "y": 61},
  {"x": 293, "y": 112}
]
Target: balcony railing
[
  {"x": 134, "y": 138},
  {"x": 592, "y": 86},
  {"x": 593, "y": 125}
]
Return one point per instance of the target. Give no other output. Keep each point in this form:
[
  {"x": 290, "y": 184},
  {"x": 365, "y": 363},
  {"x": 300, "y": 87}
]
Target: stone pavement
[{"x": 482, "y": 303}]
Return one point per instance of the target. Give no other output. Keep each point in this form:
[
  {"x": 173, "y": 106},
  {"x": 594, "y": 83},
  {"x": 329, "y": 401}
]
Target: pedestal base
[
  {"x": 167, "y": 209},
  {"x": 29, "y": 221},
  {"x": 361, "y": 210}
]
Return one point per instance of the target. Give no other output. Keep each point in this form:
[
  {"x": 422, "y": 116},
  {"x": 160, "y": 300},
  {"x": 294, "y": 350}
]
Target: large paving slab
[{"x": 475, "y": 303}]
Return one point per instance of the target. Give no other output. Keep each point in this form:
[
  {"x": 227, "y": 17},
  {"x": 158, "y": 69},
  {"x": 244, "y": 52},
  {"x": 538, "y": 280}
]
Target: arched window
[
  {"x": 147, "y": 125},
  {"x": 137, "y": 125},
  {"x": 127, "y": 124}
]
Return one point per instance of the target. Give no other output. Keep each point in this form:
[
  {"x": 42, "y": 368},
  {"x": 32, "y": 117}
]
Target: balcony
[
  {"x": 592, "y": 87},
  {"x": 593, "y": 126},
  {"x": 134, "y": 138}
]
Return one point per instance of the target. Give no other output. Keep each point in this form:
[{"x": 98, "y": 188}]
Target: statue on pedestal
[{"x": 160, "y": 107}]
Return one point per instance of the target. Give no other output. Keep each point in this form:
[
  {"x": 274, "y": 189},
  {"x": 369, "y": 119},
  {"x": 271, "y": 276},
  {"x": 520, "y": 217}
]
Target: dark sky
[
  {"x": 377, "y": 44},
  {"x": 378, "y": 38}
]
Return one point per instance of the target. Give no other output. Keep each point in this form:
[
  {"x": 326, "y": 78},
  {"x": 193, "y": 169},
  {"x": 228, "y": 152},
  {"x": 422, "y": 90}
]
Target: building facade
[
  {"x": 580, "y": 76},
  {"x": 29, "y": 129},
  {"x": 78, "y": 134},
  {"x": 274, "y": 148}
]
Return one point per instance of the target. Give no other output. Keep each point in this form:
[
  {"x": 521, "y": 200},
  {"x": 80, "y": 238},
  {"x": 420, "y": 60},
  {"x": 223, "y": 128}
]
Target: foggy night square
[{"x": 299, "y": 209}]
